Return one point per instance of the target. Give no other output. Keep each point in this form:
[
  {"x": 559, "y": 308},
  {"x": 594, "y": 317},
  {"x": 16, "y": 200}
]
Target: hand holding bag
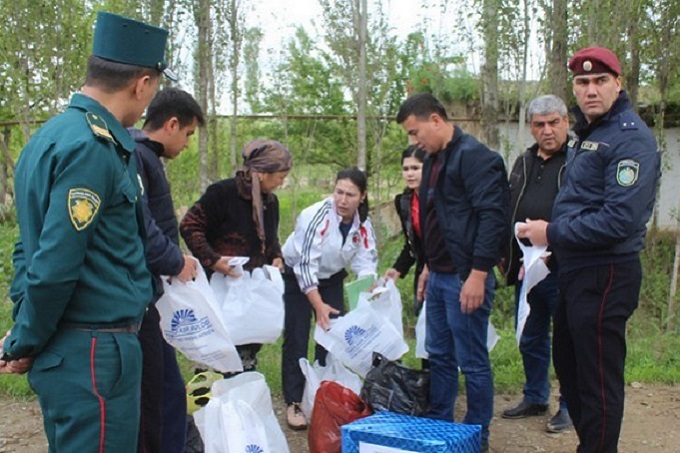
[
  {"x": 191, "y": 322},
  {"x": 251, "y": 305}
]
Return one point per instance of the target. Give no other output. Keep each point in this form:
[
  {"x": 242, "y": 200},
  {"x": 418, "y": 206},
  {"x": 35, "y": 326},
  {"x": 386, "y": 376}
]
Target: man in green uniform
[{"x": 81, "y": 283}]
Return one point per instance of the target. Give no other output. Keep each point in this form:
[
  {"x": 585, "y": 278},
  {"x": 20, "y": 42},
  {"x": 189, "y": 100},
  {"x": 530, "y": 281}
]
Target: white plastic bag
[
  {"x": 535, "y": 270},
  {"x": 333, "y": 371},
  {"x": 421, "y": 352},
  {"x": 386, "y": 300},
  {"x": 208, "y": 420},
  {"x": 243, "y": 428},
  {"x": 251, "y": 305},
  {"x": 191, "y": 322},
  {"x": 231, "y": 426},
  {"x": 354, "y": 337},
  {"x": 251, "y": 388}
]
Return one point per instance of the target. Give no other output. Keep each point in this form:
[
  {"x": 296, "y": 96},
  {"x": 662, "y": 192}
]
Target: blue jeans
[
  {"x": 454, "y": 340},
  {"x": 535, "y": 342}
]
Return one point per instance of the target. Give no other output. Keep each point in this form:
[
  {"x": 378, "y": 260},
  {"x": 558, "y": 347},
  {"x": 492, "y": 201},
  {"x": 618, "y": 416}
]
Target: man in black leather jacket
[{"x": 534, "y": 181}]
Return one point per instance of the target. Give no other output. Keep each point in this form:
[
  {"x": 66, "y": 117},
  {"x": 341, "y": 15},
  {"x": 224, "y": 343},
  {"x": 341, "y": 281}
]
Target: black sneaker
[
  {"x": 560, "y": 423},
  {"x": 524, "y": 409}
]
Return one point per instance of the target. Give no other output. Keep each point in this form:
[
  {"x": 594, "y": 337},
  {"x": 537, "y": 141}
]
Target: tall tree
[
  {"x": 556, "y": 46},
  {"x": 360, "y": 14},
  {"x": 235, "y": 21},
  {"x": 203, "y": 67},
  {"x": 490, "y": 33},
  {"x": 251, "y": 52}
]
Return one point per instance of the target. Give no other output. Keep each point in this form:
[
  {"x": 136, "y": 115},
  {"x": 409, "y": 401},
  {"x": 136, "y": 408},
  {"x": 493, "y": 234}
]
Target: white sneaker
[{"x": 295, "y": 418}]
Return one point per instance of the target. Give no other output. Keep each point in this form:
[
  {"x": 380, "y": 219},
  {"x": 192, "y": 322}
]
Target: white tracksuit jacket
[{"x": 315, "y": 250}]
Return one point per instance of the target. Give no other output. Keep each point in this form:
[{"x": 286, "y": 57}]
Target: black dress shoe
[
  {"x": 560, "y": 423},
  {"x": 524, "y": 409}
]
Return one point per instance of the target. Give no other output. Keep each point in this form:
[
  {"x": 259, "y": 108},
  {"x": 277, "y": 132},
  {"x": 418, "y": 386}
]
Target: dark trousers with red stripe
[
  {"x": 88, "y": 385},
  {"x": 589, "y": 348}
]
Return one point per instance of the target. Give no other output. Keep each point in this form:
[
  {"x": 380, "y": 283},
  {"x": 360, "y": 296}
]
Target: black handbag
[{"x": 392, "y": 386}]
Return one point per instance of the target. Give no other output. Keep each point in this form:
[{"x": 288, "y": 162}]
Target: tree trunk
[
  {"x": 557, "y": 57},
  {"x": 362, "y": 11},
  {"x": 633, "y": 69},
  {"x": 202, "y": 17},
  {"x": 489, "y": 121},
  {"x": 211, "y": 116},
  {"x": 234, "y": 62}
]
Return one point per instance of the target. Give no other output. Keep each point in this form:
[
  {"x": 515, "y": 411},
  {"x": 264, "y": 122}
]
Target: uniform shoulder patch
[
  {"x": 83, "y": 205},
  {"x": 99, "y": 126},
  {"x": 627, "y": 172}
]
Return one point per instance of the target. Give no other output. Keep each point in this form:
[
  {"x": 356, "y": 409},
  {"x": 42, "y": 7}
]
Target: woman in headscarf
[{"x": 239, "y": 216}]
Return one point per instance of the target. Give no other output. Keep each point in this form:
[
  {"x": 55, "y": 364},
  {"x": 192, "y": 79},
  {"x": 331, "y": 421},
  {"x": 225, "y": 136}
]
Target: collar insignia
[
  {"x": 99, "y": 127},
  {"x": 572, "y": 143},
  {"x": 83, "y": 205},
  {"x": 589, "y": 146}
]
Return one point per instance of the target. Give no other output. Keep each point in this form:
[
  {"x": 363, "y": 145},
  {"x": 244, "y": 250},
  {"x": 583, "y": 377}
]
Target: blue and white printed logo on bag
[
  {"x": 353, "y": 334},
  {"x": 357, "y": 339},
  {"x": 185, "y": 325},
  {"x": 254, "y": 449}
]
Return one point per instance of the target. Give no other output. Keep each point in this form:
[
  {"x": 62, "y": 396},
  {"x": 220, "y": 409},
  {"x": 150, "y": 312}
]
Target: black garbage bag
[{"x": 392, "y": 386}]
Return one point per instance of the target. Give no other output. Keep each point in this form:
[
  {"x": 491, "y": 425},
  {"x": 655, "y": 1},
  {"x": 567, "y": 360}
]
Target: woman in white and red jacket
[{"x": 328, "y": 236}]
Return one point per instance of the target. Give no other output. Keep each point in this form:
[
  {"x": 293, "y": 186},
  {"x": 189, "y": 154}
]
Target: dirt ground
[{"x": 651, "y": 424}]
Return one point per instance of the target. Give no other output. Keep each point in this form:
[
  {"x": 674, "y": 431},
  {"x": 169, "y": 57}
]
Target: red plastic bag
[{"x": 334, "y": 406}]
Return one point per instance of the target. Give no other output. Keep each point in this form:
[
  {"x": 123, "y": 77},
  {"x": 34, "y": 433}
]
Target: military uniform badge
[
  {"x": 99, "y": 126},
  {"x": 627, "y": 172},
  {"x": 83, "y": 205}
]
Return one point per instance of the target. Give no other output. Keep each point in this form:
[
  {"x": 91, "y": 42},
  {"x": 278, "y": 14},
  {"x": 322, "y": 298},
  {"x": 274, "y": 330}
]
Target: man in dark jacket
[
  {"x": 464, "y": 217},
  {"x": 171, "y": 119},
  {"x": 534, "y": 182},
  {"x": 597, "y": 230}
]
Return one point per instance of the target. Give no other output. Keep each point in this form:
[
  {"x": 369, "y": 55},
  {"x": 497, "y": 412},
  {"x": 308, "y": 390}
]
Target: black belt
[{"x": 126, "y": 328}]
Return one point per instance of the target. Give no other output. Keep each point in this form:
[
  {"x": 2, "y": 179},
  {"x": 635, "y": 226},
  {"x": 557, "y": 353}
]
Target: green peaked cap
[{"x": 125, "y": 40}]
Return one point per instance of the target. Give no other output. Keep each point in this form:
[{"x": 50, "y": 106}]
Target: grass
[{"x": 653, "y": 353}]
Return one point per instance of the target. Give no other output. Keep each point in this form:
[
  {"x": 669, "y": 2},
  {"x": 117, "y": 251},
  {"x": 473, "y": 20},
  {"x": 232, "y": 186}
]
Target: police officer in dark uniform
[
  {"x": 81, "y": 283},
  {"x": 597, "y": 230}
]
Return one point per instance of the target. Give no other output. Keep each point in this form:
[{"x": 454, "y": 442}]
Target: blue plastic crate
[{"x": 386, "y": 432}]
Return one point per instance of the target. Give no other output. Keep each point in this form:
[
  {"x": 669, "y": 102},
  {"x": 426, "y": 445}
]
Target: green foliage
[
  {"x": 427, "y": 70},
  {"x": 43, "y": 55},
  {"x": 457, "y": 85}
]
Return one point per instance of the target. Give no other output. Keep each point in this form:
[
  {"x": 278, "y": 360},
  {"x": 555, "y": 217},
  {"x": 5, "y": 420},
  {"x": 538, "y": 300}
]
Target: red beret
[{"x": 594, "y": 60}]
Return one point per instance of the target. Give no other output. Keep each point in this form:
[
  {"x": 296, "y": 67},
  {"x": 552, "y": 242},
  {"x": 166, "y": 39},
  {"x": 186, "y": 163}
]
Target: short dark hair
[
  {"x": 421, "y": 105},
  {"x": 360, "y": 180},
  {"x": 413, "y": 151},
  {"x": 172, "y": 102},
  {"x": 111, "y": 76}
]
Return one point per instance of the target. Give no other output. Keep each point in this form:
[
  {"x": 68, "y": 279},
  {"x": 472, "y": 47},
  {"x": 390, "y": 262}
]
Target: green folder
[{"x": 353, "y": 289}]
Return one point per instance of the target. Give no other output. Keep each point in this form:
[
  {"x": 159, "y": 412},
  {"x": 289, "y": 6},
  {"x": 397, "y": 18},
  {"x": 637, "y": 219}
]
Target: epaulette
[
  {"x": 99, "y": 127},
  {"x": 629, "y": 121}
]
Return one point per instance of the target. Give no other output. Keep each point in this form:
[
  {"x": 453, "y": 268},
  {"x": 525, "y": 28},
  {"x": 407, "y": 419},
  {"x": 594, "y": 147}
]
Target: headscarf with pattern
[{"x": 261, "y": 156}]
